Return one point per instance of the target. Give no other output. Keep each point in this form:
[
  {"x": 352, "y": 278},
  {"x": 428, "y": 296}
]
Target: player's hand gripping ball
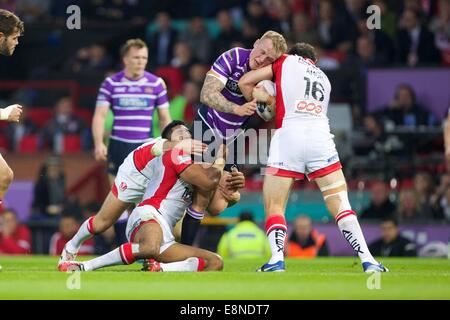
[{"x": 264, "y": 93}]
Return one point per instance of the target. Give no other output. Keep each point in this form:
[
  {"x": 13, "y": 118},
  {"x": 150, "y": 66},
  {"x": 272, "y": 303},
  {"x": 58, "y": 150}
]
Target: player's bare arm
[
  {"x": 98, "y": 132},
  {"x": 249, "y": 80},
  {"x": 164, "y": 118},
  {"x": 204, "y": 176},
  {"x": 211, "y": 96},
  {"x": 227, "y": 193}
]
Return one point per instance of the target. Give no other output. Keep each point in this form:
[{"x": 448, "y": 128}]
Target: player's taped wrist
[{"x": 158, "y": 147}]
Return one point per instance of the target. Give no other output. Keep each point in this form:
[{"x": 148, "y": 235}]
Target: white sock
[
  {"x": 121, "y": 255},
  {"x": 276, "y": 231},
  {"x": 349, "y": 226},
  {"x": 192, "y": 264},
  {"x": 277, "y": 240},
  {"x": 85, "y": 232}
]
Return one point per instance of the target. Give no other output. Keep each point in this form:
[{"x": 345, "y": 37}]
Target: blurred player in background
[
  {"x": 11, "y": 28},
  {"x": 172, "y": 178},
  {"x": 133, "y": 95},
  {"x": 225, "y": 110},
  {"x": 303, "y": 145}
]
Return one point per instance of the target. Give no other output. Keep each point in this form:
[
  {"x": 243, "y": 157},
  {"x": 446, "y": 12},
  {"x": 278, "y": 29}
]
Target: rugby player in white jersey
[
  {"x": 302, "y": 145},
  {"x": 171, "y": 179}
]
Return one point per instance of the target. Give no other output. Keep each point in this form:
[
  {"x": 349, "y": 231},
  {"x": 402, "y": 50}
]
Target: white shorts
[
  {"x": 303, "y": 149},
  {"x": 129, "y": 185},
  {"x": 152, "y": 215}
]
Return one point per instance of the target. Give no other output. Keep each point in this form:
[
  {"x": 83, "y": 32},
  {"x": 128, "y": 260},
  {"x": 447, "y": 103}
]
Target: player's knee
[
  {"x": 215, "y": 209},
  {"x": 100, "y": 224},
  {"x": 215, "y": 263},
  {"x": 148, "y": 250}
]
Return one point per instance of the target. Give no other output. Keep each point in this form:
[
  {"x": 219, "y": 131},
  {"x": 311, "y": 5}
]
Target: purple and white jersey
[
  {"x": 229, "y": 68},
  {"x": 133, "y": 103}
]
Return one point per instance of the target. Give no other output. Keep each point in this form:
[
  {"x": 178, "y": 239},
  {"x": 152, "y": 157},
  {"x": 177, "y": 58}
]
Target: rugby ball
[{"x": 265, "y": 111}]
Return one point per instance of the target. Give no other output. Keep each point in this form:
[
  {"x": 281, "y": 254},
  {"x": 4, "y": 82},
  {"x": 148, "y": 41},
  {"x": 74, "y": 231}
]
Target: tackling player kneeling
[{"x": 150, "y": 226}]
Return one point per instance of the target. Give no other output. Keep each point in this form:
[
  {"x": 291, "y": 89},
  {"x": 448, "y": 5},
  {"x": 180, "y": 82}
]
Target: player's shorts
[
  {"x": 303, "y": 149},
  {"x": 135, "y": 222},
  {"x": 117, "y": 152},
  {"x": 129, "y": 185}
]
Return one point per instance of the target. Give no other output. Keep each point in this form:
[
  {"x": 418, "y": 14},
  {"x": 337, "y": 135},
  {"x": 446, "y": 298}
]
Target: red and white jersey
[
  {"x": 303, "y": 91},
  {"x": 166, "y": 192}
]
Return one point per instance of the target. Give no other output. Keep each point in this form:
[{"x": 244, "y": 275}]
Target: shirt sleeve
[
  {"x": 178, "y": 160},
  {"x": 162, "y": 100},
  {"x": 276, "y": 67},
  {"x": 223, "y": 66},
  {"x": 104, "y": 97}
]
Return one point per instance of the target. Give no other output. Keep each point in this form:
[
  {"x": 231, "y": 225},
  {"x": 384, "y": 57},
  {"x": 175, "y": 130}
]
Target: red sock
[
  {"x": 275, "y": 221},
  {"x": 201, "y": 264},
  {"x": 126, "y": 253}
]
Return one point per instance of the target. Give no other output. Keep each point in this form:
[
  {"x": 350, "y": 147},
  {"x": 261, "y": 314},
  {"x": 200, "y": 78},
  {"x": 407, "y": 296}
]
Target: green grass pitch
[{"x": 323, "y": 278}]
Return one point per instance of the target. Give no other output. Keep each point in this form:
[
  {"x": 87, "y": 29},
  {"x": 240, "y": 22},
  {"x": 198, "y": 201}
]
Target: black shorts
[
  {"x": 117, "y": 152},
  {"x": 232, "y": 159}
]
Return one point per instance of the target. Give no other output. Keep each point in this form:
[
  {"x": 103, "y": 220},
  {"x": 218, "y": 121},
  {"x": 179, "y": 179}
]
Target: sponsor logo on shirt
[
  {"x": 133, "y": 102},
  {"x": 233, "y": 87},
  {"x": 134, "y": 89},
  {"x": 123, "y": 186},
  {"x": 308, "y": 107},
  {"x": 148, "y": 90}
]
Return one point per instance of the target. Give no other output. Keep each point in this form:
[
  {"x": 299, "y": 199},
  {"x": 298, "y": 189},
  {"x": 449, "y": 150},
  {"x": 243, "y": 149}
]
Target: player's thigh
[
  {"x": 111, "y": 209},
  {"x": 180, "y": 252},
  {"x": 5, "y": 170},
  {"x": 330, "y": 179},
  {"x": 334, "y": 191},
  {"x": 276, "y": 193},
  {"x": 149, "y": 237}
]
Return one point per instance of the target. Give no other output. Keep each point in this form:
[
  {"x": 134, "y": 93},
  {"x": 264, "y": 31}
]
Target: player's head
[
  {"x": 11, "y": 28},
  {"x": 304, "y": 50},
  {"x": 267, "y": 49},
  {"x": 177, "y": 130},
  {"x": 389, "y": 229},
  {"x": 302, "y": 227},
  {"x": 134, "y": 55},
  {"x": 8, "y": 220}
]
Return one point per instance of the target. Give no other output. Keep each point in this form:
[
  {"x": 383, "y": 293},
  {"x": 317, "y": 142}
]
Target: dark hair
[
  {"x": 304, "y": 50},
  {"x": 390, "y": 219},
  {"x": 246, "y": 216},
  {"x": 9, "y": 23},
  {"x": 167, "y": 132},
  {"x": 407, "y": 87}
]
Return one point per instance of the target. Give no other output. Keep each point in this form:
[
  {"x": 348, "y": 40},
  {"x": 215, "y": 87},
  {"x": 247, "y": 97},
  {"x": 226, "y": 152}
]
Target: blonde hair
[
  {"x": 279, "y": 43},
  {"x": 132, "y": 43}
]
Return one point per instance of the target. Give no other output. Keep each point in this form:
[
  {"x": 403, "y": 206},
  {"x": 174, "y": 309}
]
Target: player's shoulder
[
  {"x": 236, "y": 55},
  {"x": 116, "y": 77},
  {"x": 153, "y": 79}
]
